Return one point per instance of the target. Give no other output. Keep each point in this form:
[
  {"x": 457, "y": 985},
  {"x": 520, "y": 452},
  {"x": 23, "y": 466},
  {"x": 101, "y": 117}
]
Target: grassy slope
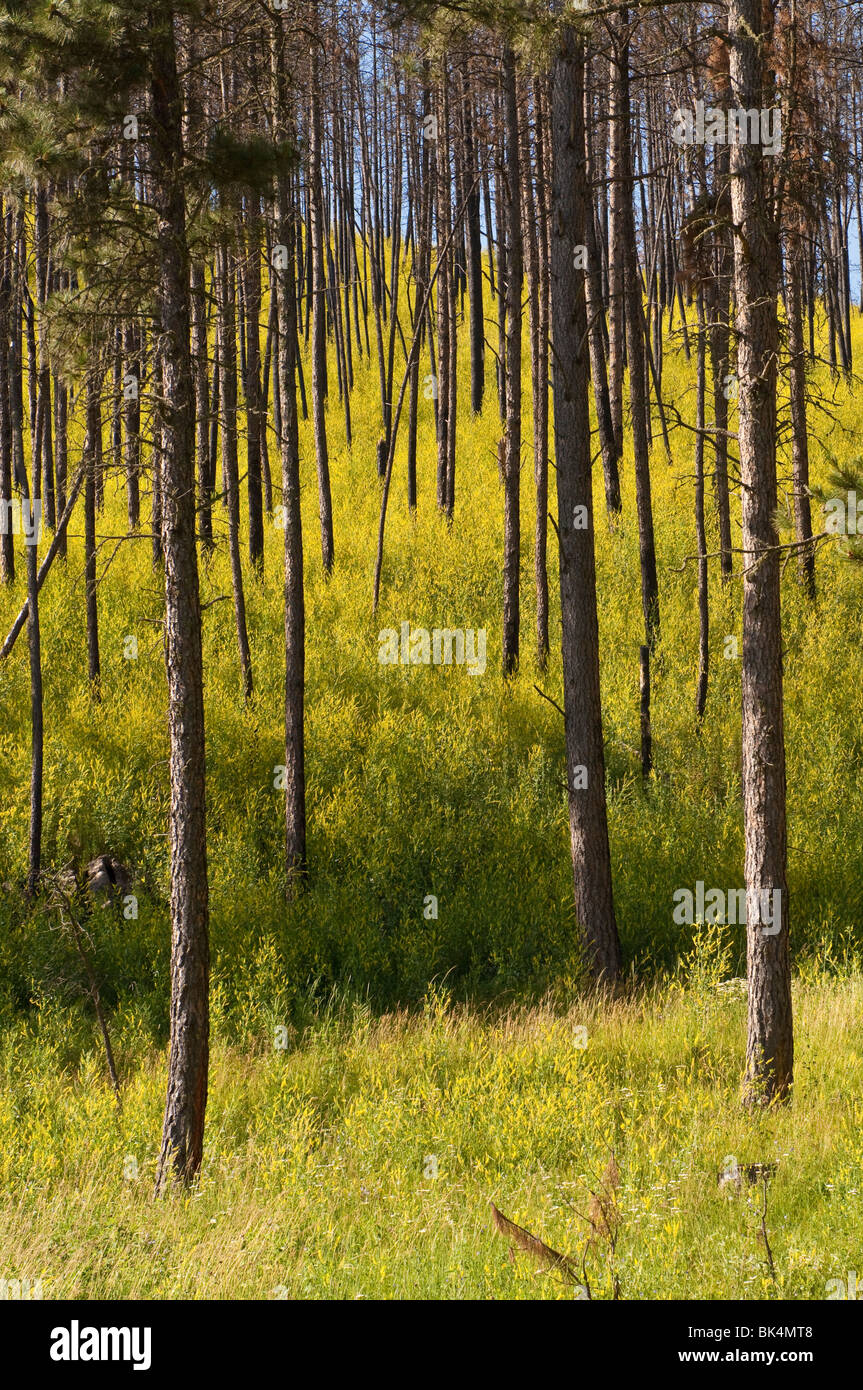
[{"x": 425, "y": 780}]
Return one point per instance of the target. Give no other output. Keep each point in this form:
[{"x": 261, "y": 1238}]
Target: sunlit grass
[{"x": 319, "y": 1178}]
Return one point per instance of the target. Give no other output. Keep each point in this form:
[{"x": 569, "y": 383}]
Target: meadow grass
[
  {"x": 425, "y": 780},
  {"x": 360, "y": 1161}
]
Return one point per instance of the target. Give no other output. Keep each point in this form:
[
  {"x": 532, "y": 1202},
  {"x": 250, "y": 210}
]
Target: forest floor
[
  {"x": 360, "y": 1160},
  {"x": 411, "y": 1036}
]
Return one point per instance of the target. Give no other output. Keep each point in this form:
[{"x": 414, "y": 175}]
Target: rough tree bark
[
  {"x": 591, "y": 859},
  {"x": 769, "y": 1047},
  {"x": 185, "y": 1108}
]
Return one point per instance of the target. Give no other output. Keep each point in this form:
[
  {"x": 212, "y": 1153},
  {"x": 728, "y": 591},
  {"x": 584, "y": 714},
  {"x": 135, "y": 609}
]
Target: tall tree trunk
[
  {"x": 158, "y": 393},
  {"x": 318, "y": 233},
  {"x": 700, "y": 533},
  {"x": 717, "y": 304},
  {"x": 34, "y": 863},
  {"x": 255, "y": 423},
  {"x": 591, "y": 859},
  {"x": 443, "y": 187},
  {"x": 512, "y": 425},
  {"x": 769, "y": 1048},
  {"x": 598, "y": 372},
  {"x": 43, "y": 457},
  {"x": 799, "y": 425},
  {"x": 540, "y": 404},
  {"x": 635, "y": 349},
  {"x": 295, "y": 619},
  {"x": 61, "y": 436},
  {"x": 185, "y": 1108},
  {"x": 474, "y": 252},
  {"x": 93, "y": 427},
  {"x": 131, "y": 426},
  {"x": 230, "y": 466},
  {"x": 200, "y": 356},
  {"x": 618, "y": 193},
  {"x": 7, "y": 544}
]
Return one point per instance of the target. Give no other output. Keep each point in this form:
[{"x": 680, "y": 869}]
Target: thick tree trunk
[
  {"x": 769, "y": 1048},
  {"x": 591, "y": 860},
  {"x": 183, "y": 1132}
]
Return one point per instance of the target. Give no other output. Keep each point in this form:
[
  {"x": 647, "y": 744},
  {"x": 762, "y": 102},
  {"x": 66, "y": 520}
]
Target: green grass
[
  {"x": 317, "y": 1181},
  {"x": 424, "y": 780}
]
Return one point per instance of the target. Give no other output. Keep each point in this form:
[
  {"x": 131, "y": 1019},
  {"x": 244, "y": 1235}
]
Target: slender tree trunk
[
  {"x": 540, "y": 404},
  {"x": 474, "y": 253},
  {"x": 255, "y": 423},
  {"x": 158, "y": 394},
  {"x": 34, "y": 863},
  {"x": 799, "y": 424},
  {"x": 595, "y": 320},
  {"x": 93, "y": 426},
  {"x": 132, "y": 427},
  {"x": 512, "y": 426},
  {"x": 44, "y": 453},
  {"x": 295, "y": 620},
  {"x": 200, "y": 357},
  {"x": 635, "y": 348},
  {"x": 700, "y": 533},
  {"x": 230, "y": 466},
  {"x": 717, "y": 302},
  {"x": 7, "y": 544},
  {"x": 61, "y": 436},
  {"x": 318, "y": 232},
  {"x": 618, "y": 193},
  {"x": 444, "y": 286}
]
